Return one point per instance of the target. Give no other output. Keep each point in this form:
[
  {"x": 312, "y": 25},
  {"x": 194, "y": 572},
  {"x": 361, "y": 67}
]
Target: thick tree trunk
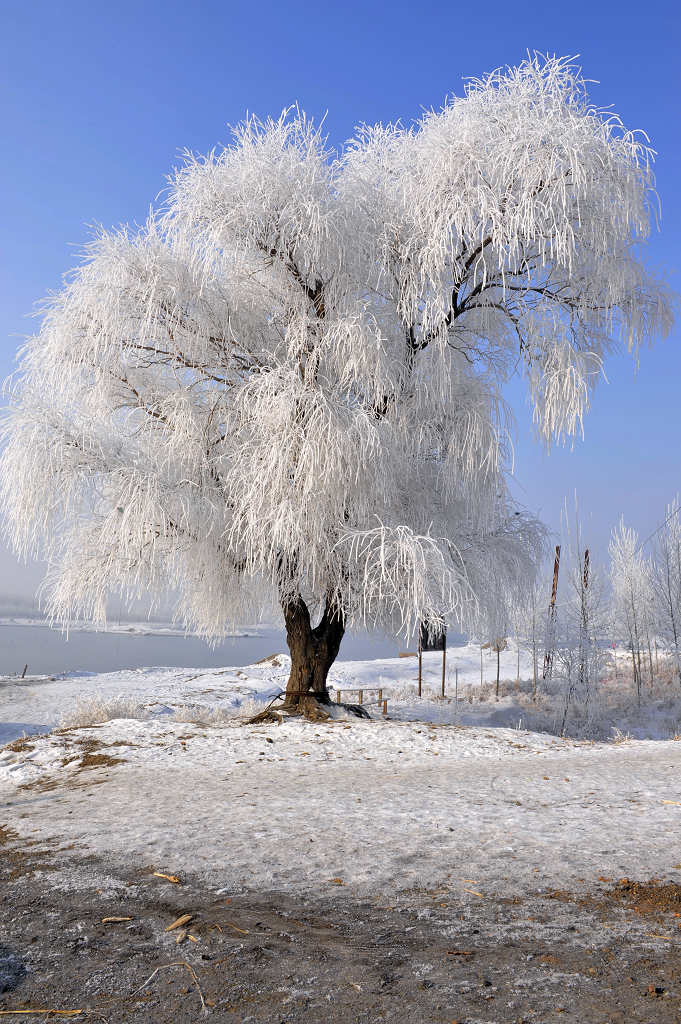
[{"x": 313, "y": 650}]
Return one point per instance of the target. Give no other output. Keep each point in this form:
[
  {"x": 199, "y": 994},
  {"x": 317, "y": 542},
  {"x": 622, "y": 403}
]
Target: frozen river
[{"x": 49, "y": 651}]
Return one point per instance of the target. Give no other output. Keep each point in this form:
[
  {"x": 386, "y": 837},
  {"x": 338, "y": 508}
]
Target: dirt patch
[
  {"x": 88, "y": 744},
  {"x": 21, "y": 746},
  {"x": 7, "y": 835},
  {"x": 40, "y": 785},
  {"x": 653, "y": 898},
  {"x": 22, "y": 857},
  {"x": 272, "y": 957},
  {"x": 88, "y": 761},
  {"x": 85, "y": 761}
]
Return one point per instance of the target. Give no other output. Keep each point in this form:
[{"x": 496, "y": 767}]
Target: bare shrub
[{"x": 487, "y": 691}]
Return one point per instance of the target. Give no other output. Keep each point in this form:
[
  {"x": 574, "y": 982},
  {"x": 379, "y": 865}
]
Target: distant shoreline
[{"x": 121, "y": 628}]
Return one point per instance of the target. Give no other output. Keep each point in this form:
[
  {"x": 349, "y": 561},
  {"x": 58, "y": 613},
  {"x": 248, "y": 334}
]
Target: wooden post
[
  {"x": 498, "y": 657},
  {"x": 385, "y": 707},
  {"x": 548, "y": 656},
  {"x": 456, "y": 685},
  {"x": 420, "y": 663},
  {"x": 481, "y": 664},
  {"x": 360, "y": 696},
  {"x": 24, "y": 672},
  {"x": 380, "y": 696},
  {"x": 338, "y": 696},
  {"x": 444, "y": 668}
]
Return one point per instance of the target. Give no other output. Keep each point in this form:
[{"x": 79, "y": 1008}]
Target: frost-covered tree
[
  {"x": 529, "y": 620},
  {"x": 666, "y": 581},
  {"x": 287, "y": 386},
  {"x": 631, "y": 594},
  {"x": 580, "y": 654}
]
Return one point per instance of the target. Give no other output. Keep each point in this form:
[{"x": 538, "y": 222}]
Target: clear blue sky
[{"x": 98, "y": 100}]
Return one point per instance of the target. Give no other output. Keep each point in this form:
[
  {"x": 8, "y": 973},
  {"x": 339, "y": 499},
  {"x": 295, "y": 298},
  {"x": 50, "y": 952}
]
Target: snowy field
[{"x": 439, "y": 792}]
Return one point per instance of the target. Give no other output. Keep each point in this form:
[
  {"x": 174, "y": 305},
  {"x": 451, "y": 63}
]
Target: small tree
[
  {"x": 287, "y": 386},
  {"x": 530, "y": 620},
  {"x": 631, "y": 594},
  {"x": 665, "y": 574},
  {"x": 581, "y": 656}
]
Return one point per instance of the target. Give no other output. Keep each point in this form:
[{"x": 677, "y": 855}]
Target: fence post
[
  {"x": 338, "y": 696},
  {"x": 360, "y": 695}
]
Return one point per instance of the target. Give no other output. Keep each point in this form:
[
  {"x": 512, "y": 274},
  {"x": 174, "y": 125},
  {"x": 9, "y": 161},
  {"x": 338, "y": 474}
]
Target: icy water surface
[{"x": 49, "y": 651}]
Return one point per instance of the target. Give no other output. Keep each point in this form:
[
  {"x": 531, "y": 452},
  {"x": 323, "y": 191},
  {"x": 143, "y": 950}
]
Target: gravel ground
[{"x": 607, "y": 955}]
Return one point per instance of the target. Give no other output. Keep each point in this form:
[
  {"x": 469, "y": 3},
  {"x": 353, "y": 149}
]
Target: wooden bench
[{"x": 360, "y": 691}]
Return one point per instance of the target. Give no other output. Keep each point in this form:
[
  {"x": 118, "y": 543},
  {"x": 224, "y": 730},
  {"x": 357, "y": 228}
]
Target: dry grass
[
  {"x": 211, "y": 717},
  {"x": 89, "y": 711}
]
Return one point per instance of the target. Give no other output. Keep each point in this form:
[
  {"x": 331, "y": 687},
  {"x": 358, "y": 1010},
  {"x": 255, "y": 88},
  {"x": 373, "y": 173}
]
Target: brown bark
[{"x": 313, "y": 650}]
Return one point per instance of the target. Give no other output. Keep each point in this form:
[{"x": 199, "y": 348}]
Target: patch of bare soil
[
  {"x": 654, "y": 898},
  {"x": 20, "y": 858},
  {"x": 88, "y": 755},
  {"x": 99, "y": 939},
  {"x": 23, "y": 745}
]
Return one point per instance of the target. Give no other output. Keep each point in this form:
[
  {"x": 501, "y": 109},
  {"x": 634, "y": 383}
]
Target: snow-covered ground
[
  {"x": 39, "y": 703},
  {"x": 440, "y": 792}
]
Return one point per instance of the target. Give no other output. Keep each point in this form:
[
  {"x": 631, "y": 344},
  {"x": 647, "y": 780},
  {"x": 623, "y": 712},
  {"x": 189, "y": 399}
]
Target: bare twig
[{"x": 175, "y": 963}]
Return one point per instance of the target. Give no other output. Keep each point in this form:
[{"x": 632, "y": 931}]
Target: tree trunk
[{"x": 313, "y": 650}]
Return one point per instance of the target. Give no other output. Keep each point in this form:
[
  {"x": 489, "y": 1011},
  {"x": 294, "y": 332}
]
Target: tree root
[{"x": 311, "y": 706}]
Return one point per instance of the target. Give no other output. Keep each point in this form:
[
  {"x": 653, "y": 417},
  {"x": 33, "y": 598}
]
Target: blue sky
[{"x": 99, "y": 100}]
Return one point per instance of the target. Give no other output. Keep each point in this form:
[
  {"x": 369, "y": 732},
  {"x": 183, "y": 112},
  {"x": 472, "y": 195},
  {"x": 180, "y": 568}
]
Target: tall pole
[
  {"x": 420, "y": 662},
  {"x": 585, "y": 623},
  {"x": 550, "y": 639},
  {"x": 444, "y": 666},
  {"x": 498, "y": 656}
]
